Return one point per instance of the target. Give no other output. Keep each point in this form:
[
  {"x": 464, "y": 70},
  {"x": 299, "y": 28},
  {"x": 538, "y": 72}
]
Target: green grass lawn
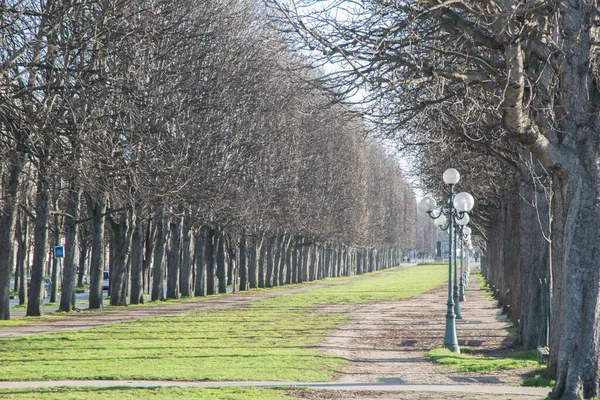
[
  {"x": 469, "y": 363},
  {"x": 272, "y": 339}
]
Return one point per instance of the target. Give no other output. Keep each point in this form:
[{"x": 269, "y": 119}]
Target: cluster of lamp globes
[{"x": 463, "y": 203}]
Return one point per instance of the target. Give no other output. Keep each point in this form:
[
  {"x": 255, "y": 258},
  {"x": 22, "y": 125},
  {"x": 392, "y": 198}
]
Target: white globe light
[
  {"x": 464, "y": 220},
  {"x": 427, "y": 204},
  {"x": 466, "y": 231},
  {"x": 464, "y": 202},
  {"x": 440, "y": 221},
  {"x": 451, "y": 176}
]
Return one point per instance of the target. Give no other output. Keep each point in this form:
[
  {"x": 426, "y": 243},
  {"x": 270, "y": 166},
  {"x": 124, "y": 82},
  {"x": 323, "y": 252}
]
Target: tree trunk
[
  {"x": 34, "y": 304},
  {"x": 158, "y": 267},
  {"x": 289, "y": 263},
  {"x": 186, "y": 264},
  {"x": 173, "y": 260},
  {"x": 270, "y": 255},
  {"x": 340, "y": 260},
  {"x": 199, "y": 260},
  {"x": 533, "y": 264},
  {"x": 53, "y": 260},
  {"x": 83, "y": 254},
  {"x": 67, "y": 298},
  {"x": 283, "y": 263},
  {"x": 243, "y": 267},
  {"x": 232, "y": 270},
  {"x": 574, "y": 335},
  {"x": 278, "y": 259},
  {"x": 313, "y": 262},
  {"x": 221, "y": 266},
  {"x": 294, "y": 251},
  {"x": 303, "y": 272},
  {"x": 252, "y": 264},
  {"x": 209, "y": 255},
  {"x": 149, "y": 242},
  {"x": 56, "y": 241},
  {"x": 327, "y": 265},
  {"x": 120, "y": 243},
  {"x": 8, "y": 217},
  {"x": 137, "y": 261},
  {"x": 97, "y": 208},
  {"x": 22, "y": 232},
  {"x": 262, "y": 259}
]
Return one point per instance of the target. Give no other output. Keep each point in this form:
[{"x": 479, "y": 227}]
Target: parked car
[
  {"x": 106, "y": 281},
  {"x": 47, "y": 286}
]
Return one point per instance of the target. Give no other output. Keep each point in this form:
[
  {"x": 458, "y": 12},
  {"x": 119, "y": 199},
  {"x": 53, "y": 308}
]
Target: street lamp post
[
  {"x": 446, "y": 218},
  {"x": 465, "y": 237},
  {"x": 459, "y": 288}
]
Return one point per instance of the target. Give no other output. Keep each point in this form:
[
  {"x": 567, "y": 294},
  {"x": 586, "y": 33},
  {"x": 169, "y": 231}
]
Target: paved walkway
[{"x": 343, "y": 386}]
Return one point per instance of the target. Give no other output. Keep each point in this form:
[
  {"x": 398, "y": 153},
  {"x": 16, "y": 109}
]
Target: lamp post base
[{"x": 450, "y": 340}]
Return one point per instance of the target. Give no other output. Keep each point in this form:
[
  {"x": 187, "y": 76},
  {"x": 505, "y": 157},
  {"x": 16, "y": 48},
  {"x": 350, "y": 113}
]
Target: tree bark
[
  {"x": 83, "y": 254},
  {"x": 243, "y": 267},
  {"x": 252, "y": 264},
  {"x": 262, "y": 260},
  {"x": 327, "y": 264},
  {"x": 137, "y": 261},
  {"x": 270, "y": 255},
  {"x": 8, "y": 216},
  {"x": 199, "y": 260},
  {"x": 97, "y": 209},
  {"x": 120, "y": 244},
  {"x": 277, "y": 267},
  {"x": 533, "y": 264},
  {"x": 158, "y": 267},
  {"x": 22, "y": 236},
  {"x": 69, "y": 281},
  {"x": 149, "y": 243},
  {"x": 56, "y": 240},
  {"x": 294, "y": 253},
  {"x": 209, "y": 256},
  {"x": 221, "y": 265},
  {"x": 574, "y": 334},
  {"x": 186, "y": 264},
  {"x": 34, "y": 304},
  {"x": 283, "y": 263},
  {"x": 173, "y": 265},
  {"x": 289, "y": 263},
  {"x": 230, "y": 243}
]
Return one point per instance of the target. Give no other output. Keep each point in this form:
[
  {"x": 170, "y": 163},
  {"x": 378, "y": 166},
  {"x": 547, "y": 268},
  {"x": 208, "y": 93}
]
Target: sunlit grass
[
  {"x": 539, "y": 380},
  {"x": 274, "y": 339},
  {"x": 398, "y": 285},
  {"x": 470, "y": 363},
  {"x": 239, "y": 344}
]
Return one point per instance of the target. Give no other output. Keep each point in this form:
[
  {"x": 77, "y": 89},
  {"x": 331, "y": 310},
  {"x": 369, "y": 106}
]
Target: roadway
[{"x": 81, "y": 300}]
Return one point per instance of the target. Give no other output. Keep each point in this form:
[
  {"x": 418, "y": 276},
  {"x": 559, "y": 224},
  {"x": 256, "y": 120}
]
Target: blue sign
[{"x": 59, "y": 252}]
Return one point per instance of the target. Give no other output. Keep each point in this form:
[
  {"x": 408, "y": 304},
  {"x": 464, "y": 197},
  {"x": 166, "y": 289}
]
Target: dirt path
[{"x": 385, "y": 342}]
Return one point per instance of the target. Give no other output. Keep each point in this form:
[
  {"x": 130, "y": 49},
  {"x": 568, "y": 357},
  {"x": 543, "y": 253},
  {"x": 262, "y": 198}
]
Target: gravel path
[{"x": 387, "y": 342}]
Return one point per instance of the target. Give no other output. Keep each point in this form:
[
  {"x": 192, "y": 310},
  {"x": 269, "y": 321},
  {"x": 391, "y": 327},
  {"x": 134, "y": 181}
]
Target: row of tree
[
  {"x": 185, "y": 141},
  {"x": 508, "y": 93}
]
